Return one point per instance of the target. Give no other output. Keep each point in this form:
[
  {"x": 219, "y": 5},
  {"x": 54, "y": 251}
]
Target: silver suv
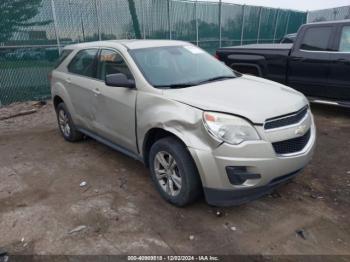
[{"x": 198, "y": 125}]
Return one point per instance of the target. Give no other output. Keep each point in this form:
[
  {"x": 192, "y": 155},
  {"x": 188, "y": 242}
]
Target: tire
[
  {"x": 183, "y": 168},
  {"x": 66, "y": 125}
]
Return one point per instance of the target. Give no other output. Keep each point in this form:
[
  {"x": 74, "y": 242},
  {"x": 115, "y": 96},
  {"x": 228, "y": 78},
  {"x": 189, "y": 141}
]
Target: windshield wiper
[
  {"x": 213, "y": 79},
  {"x": 180, "y": 85},
  {"x": 183, "y": 85}
]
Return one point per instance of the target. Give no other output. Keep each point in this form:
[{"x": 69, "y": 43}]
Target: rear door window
[
  {"x": 344, "y": 45},
  {"x": 84, "y": 63},
  {"x": 316, "y": 39}
]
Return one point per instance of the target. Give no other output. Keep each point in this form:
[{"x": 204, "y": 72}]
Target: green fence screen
[
  {"x": 32, "y": 32},
  {"x": 338, "y": 13}
]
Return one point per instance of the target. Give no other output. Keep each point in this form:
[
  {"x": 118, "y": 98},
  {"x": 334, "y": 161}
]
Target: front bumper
[
  {"x": 257, "y": 157},
  {"x": 219, "y": 197}
]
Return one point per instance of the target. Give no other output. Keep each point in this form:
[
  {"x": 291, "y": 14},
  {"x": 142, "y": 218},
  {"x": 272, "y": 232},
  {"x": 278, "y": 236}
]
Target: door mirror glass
[{"x": 119, "y": 80}]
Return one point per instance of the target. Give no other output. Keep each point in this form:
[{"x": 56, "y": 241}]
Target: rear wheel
[
  {"x": 174, "y": 172},
  {"x": 66, "y": 125}
]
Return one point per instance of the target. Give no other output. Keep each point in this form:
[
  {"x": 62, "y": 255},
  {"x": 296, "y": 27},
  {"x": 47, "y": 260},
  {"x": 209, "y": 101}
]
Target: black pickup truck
[{"x": 317, "y": 64}]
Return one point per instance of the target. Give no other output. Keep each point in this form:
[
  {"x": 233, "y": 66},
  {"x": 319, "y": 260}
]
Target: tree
[{"x": 15, "y": 14}]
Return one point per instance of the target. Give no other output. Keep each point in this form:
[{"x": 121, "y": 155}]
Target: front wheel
[{"x": 174, "y": 172}]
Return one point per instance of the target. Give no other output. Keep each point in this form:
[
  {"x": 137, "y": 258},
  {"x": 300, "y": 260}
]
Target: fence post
[
  {"x": 55, "y": 26},
  {"x": 220, "y": 22},
  {"x": 274, "y": 34},
  {"x": 335, "y": 12},
  {"x": 197, "y": 29},
  {"x": 143, "y": 20},
  {"x": 259, "y": 25},
  {"x": 169, "y": 22},
  {"x": 306, "y": 18},
  {"x": 98, "y": 21},
  {"x": 243, "y": 20},
  {"x": 287, "y": 24},
  {"x": 71, "y": 16},
  {"x": 82, "y": 24}
]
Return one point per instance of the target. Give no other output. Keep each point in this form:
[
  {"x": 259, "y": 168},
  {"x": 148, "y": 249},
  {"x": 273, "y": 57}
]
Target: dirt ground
[{"x": 120, "y": 212}]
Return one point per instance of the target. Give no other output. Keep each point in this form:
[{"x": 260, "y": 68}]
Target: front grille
[
  {"x": 292, "y": 145},
  {"x": 286, "y": 120}
]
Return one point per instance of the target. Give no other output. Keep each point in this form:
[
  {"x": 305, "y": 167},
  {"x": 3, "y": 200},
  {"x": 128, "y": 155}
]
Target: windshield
[{"x": 179, "y": 66}]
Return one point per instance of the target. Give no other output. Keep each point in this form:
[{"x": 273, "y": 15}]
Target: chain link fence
[
  {"x": 330, "y": 14},
  {"x": 32, "y": 32}
]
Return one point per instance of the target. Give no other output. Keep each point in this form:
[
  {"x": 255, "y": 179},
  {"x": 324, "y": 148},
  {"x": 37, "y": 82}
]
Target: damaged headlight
[{"x": 228, "y": 128}]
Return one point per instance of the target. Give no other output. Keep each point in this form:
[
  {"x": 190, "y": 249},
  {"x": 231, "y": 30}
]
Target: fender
[
  {"x": 257, "y": 67},
  {"x": 256, "y": 61},
  {"x": 184, "y": 121}
]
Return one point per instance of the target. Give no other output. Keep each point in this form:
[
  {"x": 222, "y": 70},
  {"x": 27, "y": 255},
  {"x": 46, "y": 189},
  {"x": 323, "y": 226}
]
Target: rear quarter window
[{"x": 63, "y": 56}]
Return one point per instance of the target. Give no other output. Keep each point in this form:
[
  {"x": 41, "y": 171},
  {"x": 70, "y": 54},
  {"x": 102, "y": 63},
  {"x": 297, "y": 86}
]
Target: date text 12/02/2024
[{"x": 173, "y": 258}]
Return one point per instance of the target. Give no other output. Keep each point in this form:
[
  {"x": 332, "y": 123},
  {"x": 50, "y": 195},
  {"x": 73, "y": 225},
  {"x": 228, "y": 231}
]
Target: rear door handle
[
  {"x": 342, "y": 60},
  {"x": 68, "y": 80},
  {"x": 96, "y": 91}
]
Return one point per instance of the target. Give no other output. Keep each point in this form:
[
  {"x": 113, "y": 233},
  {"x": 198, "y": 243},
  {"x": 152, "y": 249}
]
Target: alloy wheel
[
  {"x": 167, "y": 173},
  {"x": 64, "y": 123}
]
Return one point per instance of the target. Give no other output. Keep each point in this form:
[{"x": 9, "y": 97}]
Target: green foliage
[{"x": 15, "y": 14}]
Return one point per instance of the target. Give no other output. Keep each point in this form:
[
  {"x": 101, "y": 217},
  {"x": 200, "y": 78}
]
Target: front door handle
[
  {"x": 68, "y": 80},
  {"x": 297, "y": 58},
  {"x": 96, "y": 91}
]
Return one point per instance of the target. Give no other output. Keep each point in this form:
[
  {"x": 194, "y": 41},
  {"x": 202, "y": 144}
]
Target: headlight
[{"x": 231, "y": 129}]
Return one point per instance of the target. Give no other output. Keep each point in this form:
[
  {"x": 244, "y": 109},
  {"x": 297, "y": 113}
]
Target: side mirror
[{"x": 119, "y": 80}]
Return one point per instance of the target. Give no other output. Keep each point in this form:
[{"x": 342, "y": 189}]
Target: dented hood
[{"x": 251, "y": 97}]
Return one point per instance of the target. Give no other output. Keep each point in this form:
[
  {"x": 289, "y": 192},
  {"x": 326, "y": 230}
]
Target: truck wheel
[
  {"x": 66, "y": 125},
  {"x": 174, "y": 172}
]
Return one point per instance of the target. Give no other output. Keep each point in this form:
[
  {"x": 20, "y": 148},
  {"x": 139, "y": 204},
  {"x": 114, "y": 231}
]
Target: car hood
[{"x": 251, "y": 97}]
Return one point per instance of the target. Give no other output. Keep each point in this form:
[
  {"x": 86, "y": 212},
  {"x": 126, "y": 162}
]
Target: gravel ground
[{"x": 43, "y": 209}]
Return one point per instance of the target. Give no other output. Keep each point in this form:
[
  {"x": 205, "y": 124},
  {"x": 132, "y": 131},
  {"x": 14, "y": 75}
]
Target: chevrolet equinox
[{"x": 198, "y": 125}]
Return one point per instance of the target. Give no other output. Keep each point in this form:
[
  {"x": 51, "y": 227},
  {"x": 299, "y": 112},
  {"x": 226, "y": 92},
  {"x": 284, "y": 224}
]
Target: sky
[{"x": 302, "y": 5}]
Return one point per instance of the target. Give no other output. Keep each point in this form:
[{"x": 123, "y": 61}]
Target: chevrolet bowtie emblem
[{"x": 300, "y": 130}]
